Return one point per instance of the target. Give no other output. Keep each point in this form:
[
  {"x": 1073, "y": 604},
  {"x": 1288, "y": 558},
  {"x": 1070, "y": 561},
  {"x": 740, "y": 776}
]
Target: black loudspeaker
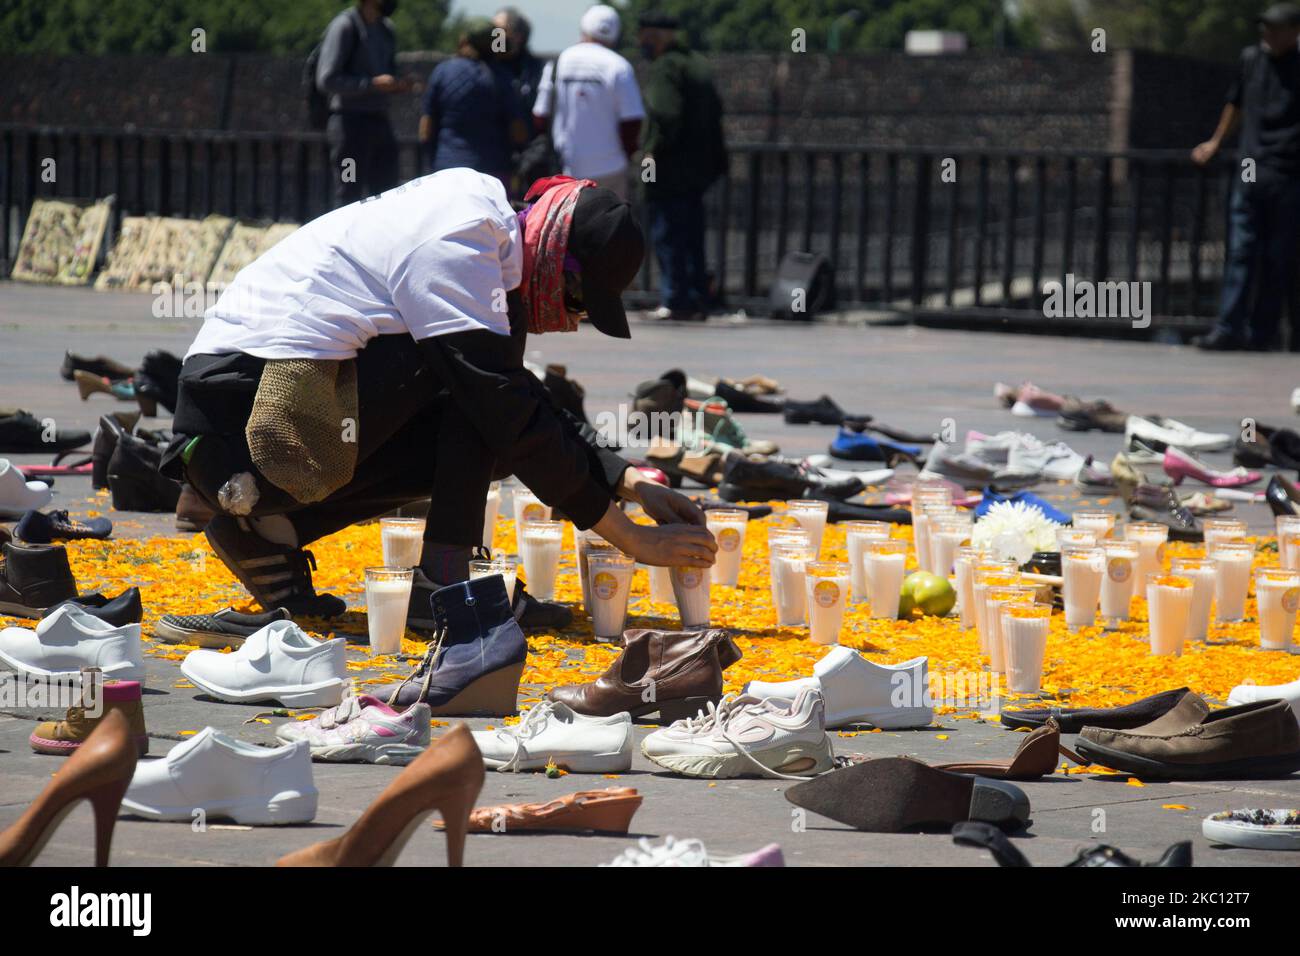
[{"x": 804, "y": 286}]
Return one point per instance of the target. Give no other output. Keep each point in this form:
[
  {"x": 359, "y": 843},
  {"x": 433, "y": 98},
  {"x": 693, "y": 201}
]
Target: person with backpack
[
  {"x": 355, "y": 70},
  {"x": 683, "y": 153}
]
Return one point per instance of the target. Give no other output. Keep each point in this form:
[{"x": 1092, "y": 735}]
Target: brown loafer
[
  {"x": 1250, "y": 741},
  {"x": 602, "y": 811}
]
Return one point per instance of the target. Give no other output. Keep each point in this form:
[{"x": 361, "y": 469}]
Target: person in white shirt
[
  {"x": 594, "y": 109},
  {"x": 426, "y": 293}
]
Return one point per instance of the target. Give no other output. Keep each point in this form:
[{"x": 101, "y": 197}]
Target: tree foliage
[{"x": 1213, "y": 29}]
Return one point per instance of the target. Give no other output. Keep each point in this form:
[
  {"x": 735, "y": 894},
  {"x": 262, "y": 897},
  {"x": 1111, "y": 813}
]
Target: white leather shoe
[
  {"x": 1167, "y": 431},
  {"x": 554, "y": 732},
  {"x": 858, "y": 691},
  {"x": 18, "y": 495},
  {"x": 225, "y": 779},
  {"x": 69, "y": 640},
  {"x": 278, "y": 662},
  {"x": 1250, "y": 693}
]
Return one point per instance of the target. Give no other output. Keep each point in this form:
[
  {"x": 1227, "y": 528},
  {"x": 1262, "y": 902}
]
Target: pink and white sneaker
[
  {"x": 364, "y": 730},
  {"x": 1179, "y": 464}
]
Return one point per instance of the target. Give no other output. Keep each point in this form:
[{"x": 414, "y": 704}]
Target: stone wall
[{"x": 981, "y": 98}]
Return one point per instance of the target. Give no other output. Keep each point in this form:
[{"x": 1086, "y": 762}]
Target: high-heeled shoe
[
  {"x": 100, "y": 771},
  {"x": 88, "y": 385},
  {"x": 447, "y": 778}
]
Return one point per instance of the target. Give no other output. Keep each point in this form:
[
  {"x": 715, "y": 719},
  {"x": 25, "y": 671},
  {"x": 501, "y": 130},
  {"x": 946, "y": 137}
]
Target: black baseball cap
[
  {"x": 1281, "y": 15},
  {"x": 607, "y": 242}
]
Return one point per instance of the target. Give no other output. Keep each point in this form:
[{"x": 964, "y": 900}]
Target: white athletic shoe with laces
[
  {"x": 363, "y": 729},
  {"x": 747, "y": 737},
  {"x": 858, "y": 691},
  {"x": 552, "y": 732}
]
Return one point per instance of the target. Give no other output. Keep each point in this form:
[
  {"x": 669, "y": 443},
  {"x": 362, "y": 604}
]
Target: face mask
[{"x": 388, "y": 7}]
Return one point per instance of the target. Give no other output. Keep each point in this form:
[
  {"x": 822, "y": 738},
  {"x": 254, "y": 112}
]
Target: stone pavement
[{"x": 908, "y": 377}]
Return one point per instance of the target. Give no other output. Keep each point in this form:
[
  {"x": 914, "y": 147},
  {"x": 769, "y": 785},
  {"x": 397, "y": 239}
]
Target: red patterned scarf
[{"x": 546, "y": 240}]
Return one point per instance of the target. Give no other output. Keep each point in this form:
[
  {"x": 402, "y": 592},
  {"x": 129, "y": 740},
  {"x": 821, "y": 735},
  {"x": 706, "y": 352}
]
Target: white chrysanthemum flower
[{"x": 1015, "y": 530}]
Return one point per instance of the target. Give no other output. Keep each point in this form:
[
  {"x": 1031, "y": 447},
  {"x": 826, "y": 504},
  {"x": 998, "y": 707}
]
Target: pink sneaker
[
  {"x": 1179, "y": 464},
  {"x": 1031, "y": 401}
]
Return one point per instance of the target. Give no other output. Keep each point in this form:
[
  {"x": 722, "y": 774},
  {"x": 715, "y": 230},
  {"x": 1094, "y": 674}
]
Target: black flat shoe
[
  {"x": 111, "y": 427},
  {"x": 1282, "y": 496},
  {"x": 21, "y": 431},
  {"x": 1073, "y": 720},
  {"x": 823, "y": 411},
  {"x": 893, "y": 794},
  {"x": 837, "y": 510},
  {"x": 984, "y": 836},
  {"x": 124, "y": 609}
]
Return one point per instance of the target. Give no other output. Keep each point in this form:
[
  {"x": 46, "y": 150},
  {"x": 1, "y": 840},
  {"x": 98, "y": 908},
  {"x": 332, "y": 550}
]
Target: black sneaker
[
  {"x": 124, "y": 609},
  {"x": 226, "y": 628},
  {"x": 1182, "y": 524},
  {"x": 21, "y": 431},
  {"x": 38, "y": 528},
  {"x": 275, "y": 575},
  {"x": 823, "y": 411}
]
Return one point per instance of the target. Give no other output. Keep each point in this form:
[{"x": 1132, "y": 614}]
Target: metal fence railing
[{"x": 960, "y": 231}]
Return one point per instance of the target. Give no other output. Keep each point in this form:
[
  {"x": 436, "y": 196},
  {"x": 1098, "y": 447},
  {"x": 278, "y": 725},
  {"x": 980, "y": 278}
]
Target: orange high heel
[
  {"x": 100, "y": 771},
  {"x": 447, "y": 778}
]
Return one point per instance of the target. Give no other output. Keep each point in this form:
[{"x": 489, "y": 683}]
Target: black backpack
[{"x": 318, "y": 104}]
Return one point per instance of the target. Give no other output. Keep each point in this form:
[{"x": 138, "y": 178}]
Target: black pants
[
  {"x": 367, "y": 140},
  {"x": 410, "y": 445}
]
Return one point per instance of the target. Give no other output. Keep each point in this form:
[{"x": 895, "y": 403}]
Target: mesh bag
[{"x": 302, "y": 431}]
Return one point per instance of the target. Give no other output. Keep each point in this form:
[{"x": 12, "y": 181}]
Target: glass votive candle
[
  {"x": 826, "y": 589},
  {"x": 1169, "y": 602}
]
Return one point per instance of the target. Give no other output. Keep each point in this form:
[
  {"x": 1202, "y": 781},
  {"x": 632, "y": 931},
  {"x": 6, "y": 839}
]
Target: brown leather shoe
[
  {"x": 1255, "y": 740},
  {"x": 192, "y": 512},
  {"x": 63, "y": 737},
  {"x": 603, "y": 811},
  {"x": 672, "y": 672}
]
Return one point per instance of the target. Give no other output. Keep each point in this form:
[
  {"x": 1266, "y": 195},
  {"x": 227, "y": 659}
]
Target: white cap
[{"x": 601, "y": 23}]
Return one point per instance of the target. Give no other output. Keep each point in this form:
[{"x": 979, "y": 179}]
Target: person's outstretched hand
[
  {"x": 667, "y": 506},
  {"x": 672, "y": 546},
  {"x": 1204, "y": 152}
]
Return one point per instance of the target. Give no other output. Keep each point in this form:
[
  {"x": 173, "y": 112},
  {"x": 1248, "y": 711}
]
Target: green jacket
[{"x": 683, "y": 130}]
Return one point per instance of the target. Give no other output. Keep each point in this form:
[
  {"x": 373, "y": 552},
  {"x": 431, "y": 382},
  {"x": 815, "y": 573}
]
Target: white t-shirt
[
  {"x": 598, "y": 90},
  {"x": 430, "y": 257}
]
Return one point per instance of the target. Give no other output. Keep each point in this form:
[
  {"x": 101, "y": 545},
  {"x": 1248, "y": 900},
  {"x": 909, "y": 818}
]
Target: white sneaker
[
  {"x": 552, "y": 732},
  {"x": 1171, "y": 432},
  {"x": 675, "y": 852},
  {"x": 994, "y": 449},
  {"x": 228, "y": 779},
  {"x": 18, "y": 495},
  {"x": 1055, "y": 461},
  {"x": 1250, "y": 693},
  {"x": 858, "y": 691},
  {"x": 278, "y": 662},
  {"x": 69, "y": 640},
  {"x": 363, "y": 729},
  {"x": 746, "y": 737},
  {"x": 831, "y": 469}
]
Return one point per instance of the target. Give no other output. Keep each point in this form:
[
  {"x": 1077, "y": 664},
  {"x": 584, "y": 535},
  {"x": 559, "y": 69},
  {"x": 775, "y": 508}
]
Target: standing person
[
  {"x": 595, "y": 104},
  {"x": 1265, "y": 101},
  {"x": 465, "y": 117},
  {"x": 518, "y": 62},
  {"x": 683, "y": 141},
  {"x": 357, "y": 70},
  {"x": 375, "y": 357}
]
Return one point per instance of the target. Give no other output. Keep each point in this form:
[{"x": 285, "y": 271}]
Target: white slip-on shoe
[
  {"x": 225, "y": 778},
  {"x": 1167, "y": 431},
  {"x": 69, "y": 640},
  {"x": 363, "y": 729},
  {"x": 18, "y": 495},
  {"x": 552, "y": 732},
  {"x": 747, "y": 737},
  {"x": 1250, "y": 693},
  {"x": 1254, "y": 829},
  {"x": 859, "y": 691},
  {"x": 276, "y": 663}
]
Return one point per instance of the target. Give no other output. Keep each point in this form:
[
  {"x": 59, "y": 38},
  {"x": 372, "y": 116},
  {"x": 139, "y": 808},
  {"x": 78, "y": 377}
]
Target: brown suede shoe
[
  {"x": 672, "y": 672},
  {"x": 62, "y": 737},
  {"x": 1255, "y": 740}
]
